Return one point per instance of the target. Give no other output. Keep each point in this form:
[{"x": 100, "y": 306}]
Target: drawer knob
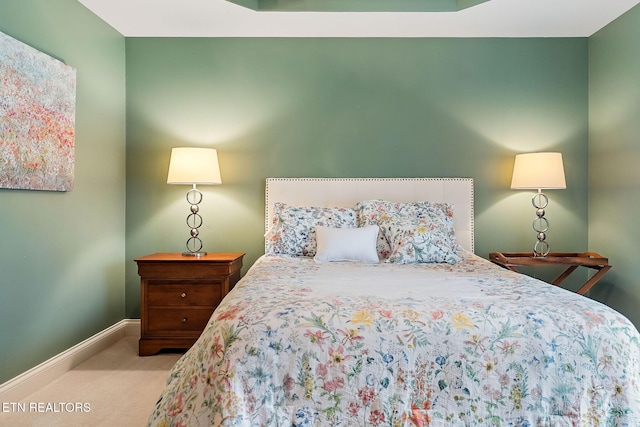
[
  {"x": 184, "y": 320},
  {"x": 183, "y": 295}
]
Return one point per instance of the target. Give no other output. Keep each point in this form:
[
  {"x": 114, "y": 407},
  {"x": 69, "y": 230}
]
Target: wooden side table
[
  {"x": 178, "y": 295},
  {"x": 511, "y": 260}
]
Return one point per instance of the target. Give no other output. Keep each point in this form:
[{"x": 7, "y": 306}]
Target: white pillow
[{"x": 347, "y": 244}]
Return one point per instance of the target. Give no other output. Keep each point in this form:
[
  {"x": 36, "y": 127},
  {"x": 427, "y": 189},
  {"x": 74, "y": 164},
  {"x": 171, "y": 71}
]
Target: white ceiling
[{"x": 495, "y": 18}]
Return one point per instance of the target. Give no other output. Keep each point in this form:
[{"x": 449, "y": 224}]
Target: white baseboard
[{"x": 28, "y": 382}]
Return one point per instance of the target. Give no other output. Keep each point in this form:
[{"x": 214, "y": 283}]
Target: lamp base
[
  {"x": 541, "y": 225},
  {"x": 195, "y": 254}
]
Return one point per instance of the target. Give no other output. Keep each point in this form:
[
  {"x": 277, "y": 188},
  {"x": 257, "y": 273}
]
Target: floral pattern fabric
[
  {"x": 411, "y": 232},
  {"x": 298, "y": 343},
  {"x": 418, "y": 240},
  {"x": 292, "y": 230}
]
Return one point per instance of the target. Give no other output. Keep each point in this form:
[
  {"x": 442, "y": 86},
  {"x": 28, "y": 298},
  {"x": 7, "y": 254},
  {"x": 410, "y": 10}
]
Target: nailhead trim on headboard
[{"x": 460, "y": 193}]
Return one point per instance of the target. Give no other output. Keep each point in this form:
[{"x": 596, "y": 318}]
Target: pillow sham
[
  {"x": 347, "y": 244},
  {"x": 292, "y": 230},
  {"x": 377, "y": 211},
  {"x": 421, "y": 240}
]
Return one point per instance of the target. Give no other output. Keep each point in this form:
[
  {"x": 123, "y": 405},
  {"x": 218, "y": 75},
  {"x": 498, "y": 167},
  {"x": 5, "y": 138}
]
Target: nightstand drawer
[
  {"x": 184, "y": 294},
  {"x": 174, "y": 321}
]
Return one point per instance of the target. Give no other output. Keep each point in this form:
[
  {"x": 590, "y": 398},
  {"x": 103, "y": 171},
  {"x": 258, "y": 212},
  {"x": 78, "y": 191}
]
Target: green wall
[
  {"x": 305, "y": 107},
  {"x": 351, "y": 107},
  {"x": 614, "y": 159},
  {"x": 62, "y": 254}
]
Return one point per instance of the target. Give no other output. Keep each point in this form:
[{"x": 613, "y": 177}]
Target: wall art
[{"x": 37, "y": 119}]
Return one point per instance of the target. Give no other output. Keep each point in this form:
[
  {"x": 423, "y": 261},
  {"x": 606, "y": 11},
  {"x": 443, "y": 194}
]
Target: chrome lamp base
[
  {"x": 194, "y": 254},
  {"x": 194, "y": 221},
  {"x": 541, "y": 225}
]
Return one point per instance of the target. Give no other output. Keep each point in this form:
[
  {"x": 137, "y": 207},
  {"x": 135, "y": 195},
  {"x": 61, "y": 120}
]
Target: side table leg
[
  {"x": 594, "y": 279},
  {"x": 564, "y": 275}
]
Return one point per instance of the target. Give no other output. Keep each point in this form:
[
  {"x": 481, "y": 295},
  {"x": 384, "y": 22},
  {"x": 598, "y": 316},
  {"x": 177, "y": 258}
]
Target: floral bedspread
[{"x": 298, "y": 343}]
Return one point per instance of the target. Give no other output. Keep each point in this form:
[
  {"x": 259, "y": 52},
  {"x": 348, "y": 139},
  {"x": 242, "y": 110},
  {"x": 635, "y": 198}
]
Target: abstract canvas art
[{"x": 37, "y": 119}]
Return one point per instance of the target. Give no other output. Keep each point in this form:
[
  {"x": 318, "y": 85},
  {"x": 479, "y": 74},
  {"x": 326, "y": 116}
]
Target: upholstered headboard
[{"x": 346, "y": 192}]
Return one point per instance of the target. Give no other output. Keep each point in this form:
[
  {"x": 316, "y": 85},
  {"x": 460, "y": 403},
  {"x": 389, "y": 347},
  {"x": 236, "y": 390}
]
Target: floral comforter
[{"x": 298, "y": 343}]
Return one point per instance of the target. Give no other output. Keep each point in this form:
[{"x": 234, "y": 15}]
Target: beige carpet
[{"x": 114, "y": 388}]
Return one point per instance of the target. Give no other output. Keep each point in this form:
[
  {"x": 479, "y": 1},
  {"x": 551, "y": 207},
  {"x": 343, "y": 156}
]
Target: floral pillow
[
  {"x": 292, "y": 230},
  {"x": 372, "y": 212},
  {"x": 440, "y": 215},
  {"x": 418, "y": 240}
]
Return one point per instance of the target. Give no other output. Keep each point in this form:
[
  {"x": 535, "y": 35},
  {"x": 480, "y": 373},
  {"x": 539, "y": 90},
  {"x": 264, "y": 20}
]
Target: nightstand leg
[
  {"x": 594, "y": 279},
  {"x": 564, "y": 275}
]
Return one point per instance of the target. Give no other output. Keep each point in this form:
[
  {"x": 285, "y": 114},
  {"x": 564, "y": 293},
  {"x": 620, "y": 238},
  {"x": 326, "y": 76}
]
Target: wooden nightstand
[
  {"x": 178, "y": 295},
  {"x": 571, "y": 260}
]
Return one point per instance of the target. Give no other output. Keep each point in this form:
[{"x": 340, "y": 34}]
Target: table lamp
[
  {"x": 539, "y": 171},
  {"x": 194, "y": 166}
]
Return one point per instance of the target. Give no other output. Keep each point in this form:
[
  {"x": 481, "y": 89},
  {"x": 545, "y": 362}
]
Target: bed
[{"x": 323, "y": 330}]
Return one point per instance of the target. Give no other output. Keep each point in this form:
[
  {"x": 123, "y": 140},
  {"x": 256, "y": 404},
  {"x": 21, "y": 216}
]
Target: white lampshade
[
  {"x": 194, "y": 166},
  {"x": 538, "y": 171}
]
